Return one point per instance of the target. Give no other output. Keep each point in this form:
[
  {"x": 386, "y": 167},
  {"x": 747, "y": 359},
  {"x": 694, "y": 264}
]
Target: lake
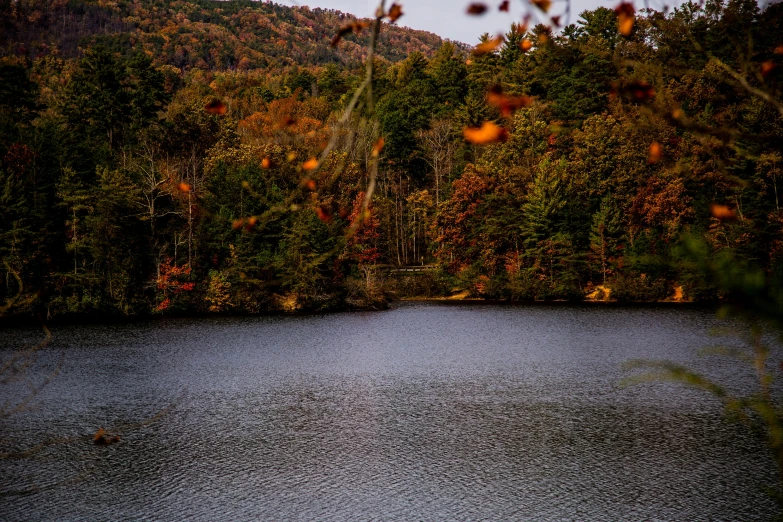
[{"x": 426, "y": 411}]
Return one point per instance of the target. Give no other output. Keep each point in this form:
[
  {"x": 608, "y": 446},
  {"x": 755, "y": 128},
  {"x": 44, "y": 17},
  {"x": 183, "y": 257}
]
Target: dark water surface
[{"x": 423, "y": 412}]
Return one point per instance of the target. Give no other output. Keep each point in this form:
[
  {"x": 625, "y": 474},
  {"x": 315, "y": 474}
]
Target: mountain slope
[{"x": 207, "y": 34}]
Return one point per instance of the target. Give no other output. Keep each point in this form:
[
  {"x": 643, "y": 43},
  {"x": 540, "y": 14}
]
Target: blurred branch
[
  {"x": 365, "y": 88},
  {"x": 15, "y": 369},
  {"x": 10, "y": 302},
  {"x": 94, "y": 439}
]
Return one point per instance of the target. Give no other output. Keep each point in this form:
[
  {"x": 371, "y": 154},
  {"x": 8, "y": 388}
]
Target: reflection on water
[{"x": 422, "y": 412}]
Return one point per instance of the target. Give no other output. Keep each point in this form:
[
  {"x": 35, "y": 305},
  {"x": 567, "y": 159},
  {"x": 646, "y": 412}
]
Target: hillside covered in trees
[
  {"x": 157, "y": 157},
  {"x": 203, "y": 34}
]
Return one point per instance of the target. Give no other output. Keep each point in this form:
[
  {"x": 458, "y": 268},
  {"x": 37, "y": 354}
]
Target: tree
[
  {"x": 18, "y": 103},
  {"x": 605, "y": 237},
  {"x": 449, "y": 77},
  {"x": 439, "y": 145}
]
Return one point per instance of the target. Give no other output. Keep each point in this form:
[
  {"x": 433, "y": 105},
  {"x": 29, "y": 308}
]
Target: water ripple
[{"x": 423, "y": 412}]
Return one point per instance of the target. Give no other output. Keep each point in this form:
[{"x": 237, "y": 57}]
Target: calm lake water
[{"x": 422, "y": 412}]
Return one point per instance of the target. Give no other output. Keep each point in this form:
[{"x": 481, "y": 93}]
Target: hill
[{"x": 205, "y": 34}]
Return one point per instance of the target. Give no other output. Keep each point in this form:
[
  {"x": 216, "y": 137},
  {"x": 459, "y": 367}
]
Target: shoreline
[{"x": 25, "y": 321}]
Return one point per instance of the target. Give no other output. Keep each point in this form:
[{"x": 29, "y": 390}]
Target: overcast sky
[{"x": 447, "y": 18}]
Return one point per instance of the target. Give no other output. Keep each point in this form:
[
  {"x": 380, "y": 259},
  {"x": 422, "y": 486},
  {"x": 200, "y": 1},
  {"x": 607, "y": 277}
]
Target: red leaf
[
  {"x": 638, "y": 91},
  {"x": 507, "y": 104},
  {"x": 101, "y": 438},
  {"x": 355, "y": 27},
  {"x": 477, "y": 9},
  {"x": 395, "y": 12},
  {"x": 323, "y": 214},
  {"x": 215, "y": 107}
]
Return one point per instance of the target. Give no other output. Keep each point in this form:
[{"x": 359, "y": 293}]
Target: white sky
[{"x": 447, "y": 18}]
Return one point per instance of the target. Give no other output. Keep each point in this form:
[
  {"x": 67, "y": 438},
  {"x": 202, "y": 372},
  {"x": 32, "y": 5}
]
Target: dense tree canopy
[{"x": 166, "y": 165}]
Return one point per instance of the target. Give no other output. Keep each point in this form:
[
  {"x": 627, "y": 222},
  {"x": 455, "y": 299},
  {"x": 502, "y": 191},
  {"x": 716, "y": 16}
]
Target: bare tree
[
  {"x": 151, "y": 180},
  {"x": 439, "y": 145}
]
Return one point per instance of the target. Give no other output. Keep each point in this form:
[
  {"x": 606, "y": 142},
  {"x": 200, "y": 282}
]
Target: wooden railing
[{"x": 394, "y": 269}]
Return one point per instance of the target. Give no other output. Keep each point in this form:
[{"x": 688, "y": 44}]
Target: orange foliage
[
  {"x": 489, "y": 132},
  {"x": 625, "y": 18},
  {"x": 378, "y": 147},
  {"x": 287, "y": 121},
  {"x": 722, "y": 212},
  {"x": 170, "y": 283},
  {"x": 489, "y": 46},
  {"x": 656, "y": 151},
  {"x": 663, "y": 203},
  {"x": 365, "y": 241},
  {"x": 310, "y": 164}
]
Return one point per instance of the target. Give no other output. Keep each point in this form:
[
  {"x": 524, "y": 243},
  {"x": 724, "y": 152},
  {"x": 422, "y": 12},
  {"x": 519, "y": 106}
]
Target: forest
[{"x": 160, "y": 158}]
